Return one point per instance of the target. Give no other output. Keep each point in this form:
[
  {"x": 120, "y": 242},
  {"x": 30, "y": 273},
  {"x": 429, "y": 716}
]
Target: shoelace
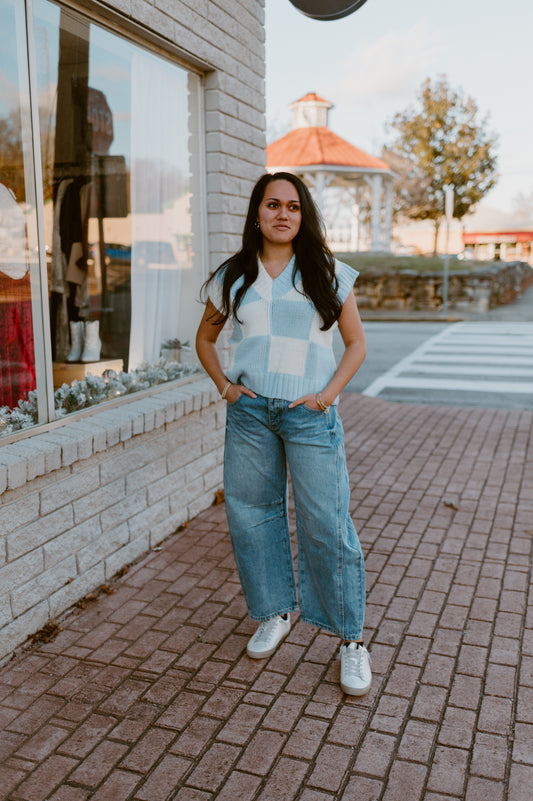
[
  {"x": 354, "y": 660},
  {"x": 264, "y": 631}
]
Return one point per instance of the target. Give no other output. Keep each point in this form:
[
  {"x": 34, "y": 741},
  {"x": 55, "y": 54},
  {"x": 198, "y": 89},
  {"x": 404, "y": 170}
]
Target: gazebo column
[
  {"x": 376, "y": 185},
  {"x": 320, "y": 186},
  {"x": 387, "y": 223},
  {"x": 354, "y": 233},
  {"x": 319, "y": 182}
]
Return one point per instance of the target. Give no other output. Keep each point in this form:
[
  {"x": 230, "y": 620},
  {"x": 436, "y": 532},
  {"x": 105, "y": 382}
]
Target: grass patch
[{"x": 388, "y": 262}]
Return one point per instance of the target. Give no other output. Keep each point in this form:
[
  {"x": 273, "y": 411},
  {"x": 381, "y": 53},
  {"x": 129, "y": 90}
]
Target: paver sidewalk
[{"x": 147, "y": 694}]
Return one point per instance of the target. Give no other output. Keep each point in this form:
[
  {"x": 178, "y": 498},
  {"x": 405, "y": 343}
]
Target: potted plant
[{"x": 171, "y": 349}]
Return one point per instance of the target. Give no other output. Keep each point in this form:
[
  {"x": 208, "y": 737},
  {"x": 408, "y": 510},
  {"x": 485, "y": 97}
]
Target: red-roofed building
[
  {"x": 500, "y": 245},
  {"x": 324, "y": 161}
]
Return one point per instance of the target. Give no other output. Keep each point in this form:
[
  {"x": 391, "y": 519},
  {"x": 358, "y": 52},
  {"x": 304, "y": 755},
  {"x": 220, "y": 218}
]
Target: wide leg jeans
[{"x": 262, "y": 436}]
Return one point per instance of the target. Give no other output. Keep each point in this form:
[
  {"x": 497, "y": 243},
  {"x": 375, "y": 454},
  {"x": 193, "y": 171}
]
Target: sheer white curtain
[{"x": 158, "y": 116}]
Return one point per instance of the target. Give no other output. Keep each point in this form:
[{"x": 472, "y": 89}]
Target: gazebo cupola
[
  {"x": 325, "y": 160},
  {"x": 311, "y": 111}
]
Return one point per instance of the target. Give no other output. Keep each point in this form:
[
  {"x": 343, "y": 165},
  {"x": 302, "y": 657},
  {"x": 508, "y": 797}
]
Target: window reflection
[
  {"x": 18, "y": 256},
  {"x": 118, "y": 172},
  {"x": 119, "y": 145}
]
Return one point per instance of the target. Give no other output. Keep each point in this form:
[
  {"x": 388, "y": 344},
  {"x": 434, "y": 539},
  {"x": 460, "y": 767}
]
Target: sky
[{"x": 372, "y": 63}]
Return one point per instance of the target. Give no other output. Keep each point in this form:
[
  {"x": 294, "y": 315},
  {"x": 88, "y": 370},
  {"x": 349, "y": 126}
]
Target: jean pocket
[
  {"x": 324, "y": 420},
  {"x": 311, "y": 411},
  {"x": 235, "y": 402}
]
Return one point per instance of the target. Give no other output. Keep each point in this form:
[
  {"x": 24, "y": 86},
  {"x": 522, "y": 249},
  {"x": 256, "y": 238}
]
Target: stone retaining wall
[{"x": 475, "y": 291}]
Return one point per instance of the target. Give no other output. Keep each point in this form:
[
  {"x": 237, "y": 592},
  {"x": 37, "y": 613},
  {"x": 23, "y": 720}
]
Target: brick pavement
[{"x": 147, "y": 694}]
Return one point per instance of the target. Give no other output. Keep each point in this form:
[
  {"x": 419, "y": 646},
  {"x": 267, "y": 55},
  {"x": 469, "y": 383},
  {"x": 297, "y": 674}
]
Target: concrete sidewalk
[{"x": 146, "y": 692}]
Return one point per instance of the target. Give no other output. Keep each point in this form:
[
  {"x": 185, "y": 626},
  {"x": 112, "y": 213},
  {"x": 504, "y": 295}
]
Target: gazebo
[{"x": 324, "y": 160}]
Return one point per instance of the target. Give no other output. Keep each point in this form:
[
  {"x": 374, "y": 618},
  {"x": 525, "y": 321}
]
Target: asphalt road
[
  {"x": 387, "y": 343},
  {"x": 485, "y": 360}
]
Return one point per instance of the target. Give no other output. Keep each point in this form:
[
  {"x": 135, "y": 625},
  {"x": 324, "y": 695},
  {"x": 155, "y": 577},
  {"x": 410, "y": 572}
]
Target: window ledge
[{"x": 80, "y": 438}]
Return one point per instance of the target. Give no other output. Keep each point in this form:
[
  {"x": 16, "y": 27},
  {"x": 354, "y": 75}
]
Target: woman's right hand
[{"x": 236, "y": 390}]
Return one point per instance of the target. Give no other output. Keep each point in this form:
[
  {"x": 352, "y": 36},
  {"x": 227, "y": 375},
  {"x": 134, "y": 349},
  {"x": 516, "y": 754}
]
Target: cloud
[
  {"x": 389, "y": 67},
  {"x": 112, "y": 73},
  {"x": 48, "y": 96},
  {"x": 10, "y": 93}
]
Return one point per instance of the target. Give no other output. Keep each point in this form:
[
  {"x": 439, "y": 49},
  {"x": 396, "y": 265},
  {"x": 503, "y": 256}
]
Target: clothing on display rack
[{"x": 17, "y": 356}]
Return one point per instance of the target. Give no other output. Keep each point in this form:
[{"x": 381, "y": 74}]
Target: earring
[{"x": 257, "y": 227}]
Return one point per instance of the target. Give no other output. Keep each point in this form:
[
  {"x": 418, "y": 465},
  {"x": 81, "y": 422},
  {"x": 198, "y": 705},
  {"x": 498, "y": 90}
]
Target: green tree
[{"x": 443, "y": 141}]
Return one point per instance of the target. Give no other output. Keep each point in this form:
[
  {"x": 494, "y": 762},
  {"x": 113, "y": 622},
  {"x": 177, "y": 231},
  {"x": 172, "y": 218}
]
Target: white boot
[
  {"x": 91, "y": 349},
  {"x": 76, "y": 342}
]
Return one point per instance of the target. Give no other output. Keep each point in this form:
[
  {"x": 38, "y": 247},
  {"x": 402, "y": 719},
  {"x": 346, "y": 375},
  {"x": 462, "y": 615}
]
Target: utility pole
[{"x": 448, "y": 210}]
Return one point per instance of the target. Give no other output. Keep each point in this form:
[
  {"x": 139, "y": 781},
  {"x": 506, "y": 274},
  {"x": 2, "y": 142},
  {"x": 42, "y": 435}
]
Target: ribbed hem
[{"x": 277, "y": 385}]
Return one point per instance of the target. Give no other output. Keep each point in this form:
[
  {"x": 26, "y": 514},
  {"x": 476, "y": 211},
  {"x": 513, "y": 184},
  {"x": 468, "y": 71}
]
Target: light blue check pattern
[{"x": 280, "y": 351}]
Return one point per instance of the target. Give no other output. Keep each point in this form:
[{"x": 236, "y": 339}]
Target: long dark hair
[{"x": 313, "y": 258}]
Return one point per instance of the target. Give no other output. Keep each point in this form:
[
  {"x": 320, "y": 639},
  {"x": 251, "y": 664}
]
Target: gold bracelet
[
  {"x": 320, "y": 403},
  {"x": 225, "y": 390}
]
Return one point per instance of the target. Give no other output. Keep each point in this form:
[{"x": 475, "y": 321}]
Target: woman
[{"x": 285, "y": 292}]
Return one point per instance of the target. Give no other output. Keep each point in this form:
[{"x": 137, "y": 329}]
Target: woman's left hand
[{"x": 306, "y": 400}]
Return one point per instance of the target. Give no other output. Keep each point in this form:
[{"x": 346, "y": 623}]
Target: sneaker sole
[
  {"x": 266, "y": 654},
  {"x": 355, "y": 690}
]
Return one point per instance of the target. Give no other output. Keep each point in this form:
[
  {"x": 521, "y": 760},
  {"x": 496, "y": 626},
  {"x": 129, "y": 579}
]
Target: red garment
[{"x": 17, "y": 354}]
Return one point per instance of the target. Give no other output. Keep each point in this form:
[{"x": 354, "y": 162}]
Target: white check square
[{"x": 287, "y": 355}]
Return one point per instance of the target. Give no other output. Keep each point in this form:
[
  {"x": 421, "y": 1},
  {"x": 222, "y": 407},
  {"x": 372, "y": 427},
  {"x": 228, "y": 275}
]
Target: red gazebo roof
[
  {"x": 312, "y": 96},
  {"x": 303, "y": 147}
]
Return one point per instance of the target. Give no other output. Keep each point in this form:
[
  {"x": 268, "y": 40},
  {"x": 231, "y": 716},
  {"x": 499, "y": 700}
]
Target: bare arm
[
  {"x": 353, "y": 336},
  {"x": 208, "y": 332}
]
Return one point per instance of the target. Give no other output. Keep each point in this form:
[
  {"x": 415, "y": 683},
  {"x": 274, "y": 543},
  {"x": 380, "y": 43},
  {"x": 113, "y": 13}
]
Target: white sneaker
[
  {"x": 268, "y": 636},
  {"x": 356, "y": 675}
]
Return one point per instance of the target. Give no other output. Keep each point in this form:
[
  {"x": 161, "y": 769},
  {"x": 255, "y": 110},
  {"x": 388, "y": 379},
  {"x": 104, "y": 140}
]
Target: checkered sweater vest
[{"x": 280, "y": 350}]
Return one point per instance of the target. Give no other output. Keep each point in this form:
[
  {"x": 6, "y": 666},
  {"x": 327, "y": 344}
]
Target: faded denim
[{"x": 262, "y": 436}]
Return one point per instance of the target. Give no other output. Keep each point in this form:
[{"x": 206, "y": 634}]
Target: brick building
[{"x": 131, "y": 134}]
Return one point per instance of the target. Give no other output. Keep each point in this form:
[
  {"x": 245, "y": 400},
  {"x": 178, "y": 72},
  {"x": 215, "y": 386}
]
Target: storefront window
[
  {"x": 119, "y": 150},
  {"x": 118, "y": 175},
  {"x": 19, "y": 264}
]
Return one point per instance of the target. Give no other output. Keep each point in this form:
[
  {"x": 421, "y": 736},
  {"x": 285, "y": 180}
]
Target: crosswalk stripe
[
  {"x": 471, "y": 369},
  {"x": 457, "y": 384},
  {"x": 482, "y": 359},
  {"x": 501, "y": 354},
  {"x": 496, "y": 349},
  {"x": 483, "y": 339}
]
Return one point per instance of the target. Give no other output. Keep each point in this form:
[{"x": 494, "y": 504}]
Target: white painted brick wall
[
  {"x": 79, "y": 502},
  {"x": 70, "y": 530}
]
